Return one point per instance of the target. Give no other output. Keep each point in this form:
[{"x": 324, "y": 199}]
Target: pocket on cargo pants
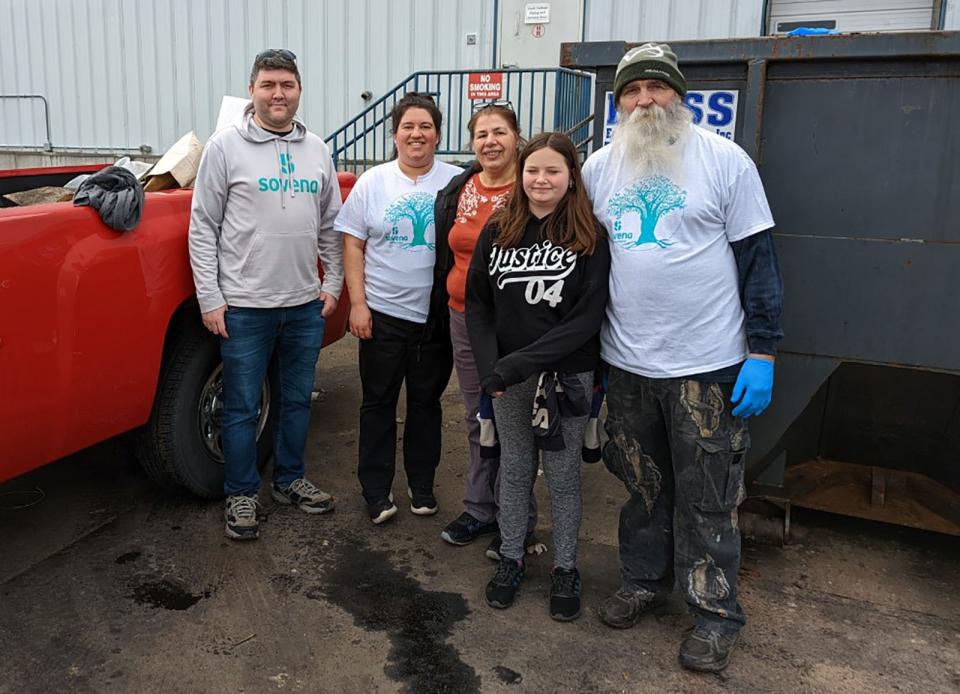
[{"x": 721, "y": 461}]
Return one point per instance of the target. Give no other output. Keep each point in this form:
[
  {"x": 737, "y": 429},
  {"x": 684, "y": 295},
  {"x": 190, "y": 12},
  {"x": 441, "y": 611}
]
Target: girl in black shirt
[{"x": 536, "y": 295}]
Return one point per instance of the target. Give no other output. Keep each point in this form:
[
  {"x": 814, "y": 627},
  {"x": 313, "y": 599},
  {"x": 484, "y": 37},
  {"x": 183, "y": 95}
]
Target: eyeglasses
[
  {"x": 277, "y": 52},
  {"x": 480, "y": 105}
]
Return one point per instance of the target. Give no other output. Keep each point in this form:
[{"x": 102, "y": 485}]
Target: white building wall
[
  {"x": 951, "y": 16},
  {"x": 857, "y": 15},
  {"x": 122, "y": 73},
  {"x": 672, "y": 20}
]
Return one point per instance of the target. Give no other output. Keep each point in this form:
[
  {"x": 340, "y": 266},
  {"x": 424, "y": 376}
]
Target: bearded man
[{"x": 690, "y": 339}]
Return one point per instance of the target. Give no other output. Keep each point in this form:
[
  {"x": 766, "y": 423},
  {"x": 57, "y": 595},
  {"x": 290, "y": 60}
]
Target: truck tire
[{"x": 180, "y": 447}]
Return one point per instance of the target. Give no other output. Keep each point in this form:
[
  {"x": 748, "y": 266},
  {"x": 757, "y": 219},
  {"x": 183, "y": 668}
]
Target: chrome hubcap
[{"x": 210, "y": 413}]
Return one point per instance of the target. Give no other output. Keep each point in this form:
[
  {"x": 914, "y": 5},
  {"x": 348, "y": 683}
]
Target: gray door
[
  {"x": 852, "y": 15},
  {"x": 526, "y": 43}
]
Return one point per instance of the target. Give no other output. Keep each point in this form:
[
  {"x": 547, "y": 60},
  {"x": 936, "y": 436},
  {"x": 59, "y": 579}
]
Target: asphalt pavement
[{"x": 108, "y": 584}]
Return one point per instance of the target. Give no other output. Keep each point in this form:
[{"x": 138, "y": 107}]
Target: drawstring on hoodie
[
  {"x": 280, "y": 167},
  {"x": 276, "y": 147},
  {"x": 253, "y": 132},
  {"x": 293, "y": 192}
]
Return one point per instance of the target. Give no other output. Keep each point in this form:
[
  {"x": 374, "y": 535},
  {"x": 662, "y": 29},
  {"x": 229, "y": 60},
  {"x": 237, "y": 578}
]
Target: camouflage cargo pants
[{"x": 680, "y": 454}]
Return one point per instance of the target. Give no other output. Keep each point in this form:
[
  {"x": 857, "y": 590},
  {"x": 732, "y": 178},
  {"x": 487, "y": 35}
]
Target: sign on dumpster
[
  {"x": 485, "y": 86},
  {"x": 713, "y": 109}
]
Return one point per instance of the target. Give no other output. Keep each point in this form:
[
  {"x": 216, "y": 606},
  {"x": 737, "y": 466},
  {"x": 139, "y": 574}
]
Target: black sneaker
[
  {"x": 303, "y": 494},
  {"x": 466, "y": 529},
  {"x": 564, "y": 594},
  {"x": 241, "y": 514},
  {"x": 493, "y": 549},
  {"x": 423, "y": 502},
  {"x": 502, "y": 588},
  {"x": 381, "y": 510},
  {"x": 707, "y": 650},
  {"x": 622, "y": 609}
]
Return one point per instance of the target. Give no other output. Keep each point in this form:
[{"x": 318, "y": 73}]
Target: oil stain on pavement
[
  {"x": 381, "y": 597},
  {"x": 166, "y": 594}
]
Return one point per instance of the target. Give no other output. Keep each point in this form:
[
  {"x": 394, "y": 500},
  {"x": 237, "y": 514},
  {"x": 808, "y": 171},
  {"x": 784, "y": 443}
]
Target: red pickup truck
[{"x": 100, "y": 334}]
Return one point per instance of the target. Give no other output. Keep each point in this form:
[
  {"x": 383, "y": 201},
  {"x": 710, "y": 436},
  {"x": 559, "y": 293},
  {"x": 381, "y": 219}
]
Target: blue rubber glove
[{"x": 754, "y": 388}]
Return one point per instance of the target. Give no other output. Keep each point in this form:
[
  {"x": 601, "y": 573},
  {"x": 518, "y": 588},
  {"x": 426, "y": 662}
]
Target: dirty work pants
[
  {"x": 680, "y": 454},
  {"x": 482, "y": 487},
  {"x": 397, "y": 354},
  {"x": 292, "y": 336}
]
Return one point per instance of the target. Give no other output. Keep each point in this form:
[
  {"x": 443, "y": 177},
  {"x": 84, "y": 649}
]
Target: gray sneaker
[
  {"x": 622, "y": 609},
  {"x": 707, "y": 650},
  {"x": 241, "y": 513},
  {"x": 304, "y": 494}
]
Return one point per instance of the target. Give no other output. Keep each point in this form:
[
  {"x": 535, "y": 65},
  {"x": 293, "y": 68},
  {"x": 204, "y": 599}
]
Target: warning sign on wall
[{"x": 485, "y": 86}]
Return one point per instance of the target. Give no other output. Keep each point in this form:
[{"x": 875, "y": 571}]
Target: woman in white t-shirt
[{"x": 389, "y": 249}]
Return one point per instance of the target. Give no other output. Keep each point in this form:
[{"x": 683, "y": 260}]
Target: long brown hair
[{"x": 572, "y": 224}]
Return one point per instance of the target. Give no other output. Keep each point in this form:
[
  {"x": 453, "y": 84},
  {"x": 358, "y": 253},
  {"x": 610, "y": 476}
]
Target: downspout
[
  {"x": 764, "y": 16},
  {"x": 496, "y": 32},
  {"x": 583, "y": 21}
]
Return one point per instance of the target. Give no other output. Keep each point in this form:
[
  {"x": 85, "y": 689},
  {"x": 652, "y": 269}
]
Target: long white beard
[{"x": 652, "y": 139}]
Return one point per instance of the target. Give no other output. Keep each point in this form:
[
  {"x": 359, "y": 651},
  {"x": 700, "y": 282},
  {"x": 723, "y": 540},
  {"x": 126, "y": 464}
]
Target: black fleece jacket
[
  {"x": 444, "y": 215},
  {"x": 535, "y": 307}
]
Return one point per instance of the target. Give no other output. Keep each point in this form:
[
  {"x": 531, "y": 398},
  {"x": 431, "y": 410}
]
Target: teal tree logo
[
  {"x": 286, "y": 164},
  {"x": 417, "y": 209},
  {"x": 651, "y": 199}
]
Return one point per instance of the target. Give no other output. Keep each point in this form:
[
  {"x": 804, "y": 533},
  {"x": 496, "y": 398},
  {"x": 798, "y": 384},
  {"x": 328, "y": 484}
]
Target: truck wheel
[{"x": 181, "y": 447}]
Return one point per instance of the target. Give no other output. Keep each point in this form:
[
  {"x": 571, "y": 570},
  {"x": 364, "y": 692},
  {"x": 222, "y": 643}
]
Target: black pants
[
  {"x": 680, "y": 454},
  {"x": 398, "y": 352}
]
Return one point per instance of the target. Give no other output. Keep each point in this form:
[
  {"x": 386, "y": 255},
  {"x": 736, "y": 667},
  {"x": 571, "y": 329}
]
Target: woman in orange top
[{"x": 462, "y": 210}]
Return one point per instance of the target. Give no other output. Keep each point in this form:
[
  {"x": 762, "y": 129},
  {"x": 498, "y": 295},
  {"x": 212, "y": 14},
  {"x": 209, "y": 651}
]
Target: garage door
[{"x": 851, "y": 15}]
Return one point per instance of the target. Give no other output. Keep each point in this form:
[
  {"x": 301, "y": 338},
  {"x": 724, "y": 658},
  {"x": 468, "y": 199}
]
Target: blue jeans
[{"x": 292, "y": 335}]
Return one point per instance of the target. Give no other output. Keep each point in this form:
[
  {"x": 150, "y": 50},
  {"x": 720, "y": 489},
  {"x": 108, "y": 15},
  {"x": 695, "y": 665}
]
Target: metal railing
[
  {"x": 48, "y": 143},
  {"x": 543, "y": 98}
]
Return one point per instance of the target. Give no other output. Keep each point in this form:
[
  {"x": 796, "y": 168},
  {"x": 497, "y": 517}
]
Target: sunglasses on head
[
  {"x": 277, "y": 52},
  {"x": 480, "y": 105}
]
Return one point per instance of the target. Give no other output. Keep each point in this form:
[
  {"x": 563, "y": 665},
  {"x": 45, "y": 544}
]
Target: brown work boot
[{"x": 622, "y": 609}]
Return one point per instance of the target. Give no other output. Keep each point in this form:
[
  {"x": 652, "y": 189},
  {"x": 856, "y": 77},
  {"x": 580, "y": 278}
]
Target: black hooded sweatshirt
[{"x": 535, "y": 307}]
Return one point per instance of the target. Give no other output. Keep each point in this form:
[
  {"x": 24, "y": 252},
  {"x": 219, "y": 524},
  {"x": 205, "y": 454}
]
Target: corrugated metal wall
[
  {"x": 856, "y": 15},
  {"x": 671, "y": 20},
  {"x": 121, "y": 73}
]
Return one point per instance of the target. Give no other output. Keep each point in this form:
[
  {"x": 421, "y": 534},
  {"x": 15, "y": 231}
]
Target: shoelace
[
  {"x": 468, "y": 520},
  {"x": 507, "y": 571},
  {"x": 304, "y": 487},
  {"x": 709, "y": 636},
  {"x": 564, "y": 583},
  {"x": 243, "y": 507},
  {"x": 639, "y": 595}
]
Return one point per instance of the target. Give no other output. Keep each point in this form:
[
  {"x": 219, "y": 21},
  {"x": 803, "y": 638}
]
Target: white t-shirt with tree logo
[
  {"x": 394, "y": 215},
  {"x": 674, "y": 307}
]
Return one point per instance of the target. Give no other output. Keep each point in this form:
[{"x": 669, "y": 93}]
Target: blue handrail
[{"x": 366, "y": 140}]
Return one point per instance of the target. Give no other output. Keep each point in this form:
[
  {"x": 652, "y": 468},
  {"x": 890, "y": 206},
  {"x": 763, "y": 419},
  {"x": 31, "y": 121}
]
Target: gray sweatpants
[
  {"x": 483, "y": 474},
  {"x": 518, "y": 470}
]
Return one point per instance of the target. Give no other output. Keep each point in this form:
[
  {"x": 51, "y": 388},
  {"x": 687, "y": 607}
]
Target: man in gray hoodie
[{"x": 264, "y": 203}]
